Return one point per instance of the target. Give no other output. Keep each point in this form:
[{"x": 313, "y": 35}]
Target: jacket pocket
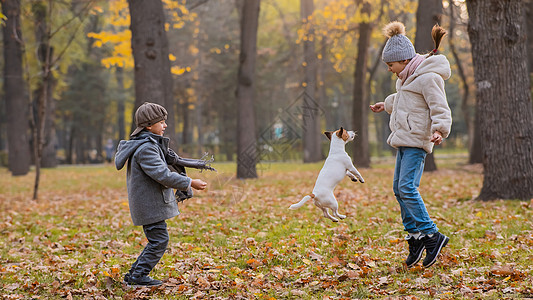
[{"x": 168, "y": 196}]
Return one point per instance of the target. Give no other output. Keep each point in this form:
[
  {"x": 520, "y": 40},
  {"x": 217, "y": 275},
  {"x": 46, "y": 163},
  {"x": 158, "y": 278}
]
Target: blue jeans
[{"x": 407, "y": 174}]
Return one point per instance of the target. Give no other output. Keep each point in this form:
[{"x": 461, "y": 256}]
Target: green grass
[{"x": 238, "y": 239}]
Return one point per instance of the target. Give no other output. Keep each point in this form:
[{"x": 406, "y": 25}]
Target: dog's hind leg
[
  {"x": 327, "y": 215},
  {"x": 326, "y": 212},
  {"x": 335, "y": 209}
]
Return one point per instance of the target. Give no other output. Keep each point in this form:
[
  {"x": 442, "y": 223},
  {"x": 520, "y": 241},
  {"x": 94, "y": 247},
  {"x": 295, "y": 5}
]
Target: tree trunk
[
  {"x": 476, "y": 153},
  {"x": 47, "y": 143},
  {"x": 49, "y": 157},
  {"x": 311, "y": 107},
  {"x": 497, "y": 32},
  {"x": 428, "y": 14},
  {"x": 361, "y": 154},
  {"x": 247, "y": 155},
  {"x": 149, "y": 43},
  {"x": 121, "y": 127},
  {"x": 17, "y": 126},
  {"x": 529, "y": 24},
  {"x": 474, "y": 146}
]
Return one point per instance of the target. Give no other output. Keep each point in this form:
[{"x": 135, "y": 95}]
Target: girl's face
[
  {"x": 158, "y": 128},
  {"x": 397, "y": 66}
]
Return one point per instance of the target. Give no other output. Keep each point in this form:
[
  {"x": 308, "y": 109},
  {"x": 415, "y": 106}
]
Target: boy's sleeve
[
  {"x": 151, "y": 163},
  {"x": 389, "y": 103},
  {"x": 439, "y": 111}
]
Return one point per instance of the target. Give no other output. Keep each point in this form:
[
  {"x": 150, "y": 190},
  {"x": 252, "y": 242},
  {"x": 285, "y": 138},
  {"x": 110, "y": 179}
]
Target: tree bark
[
  {"x": 529, "y": 24},
  {"x": 497, "y": 32},
  {"x": 311, "y": 107},
  {"x": 19, "y": 155},
  {"x": 121, "y": 127},
  {"x": 247, "y": 155},
  {"x": 149, "y": 43},
  {"x": 429, "y": 13},
  {"x": 361, "y": 154}
]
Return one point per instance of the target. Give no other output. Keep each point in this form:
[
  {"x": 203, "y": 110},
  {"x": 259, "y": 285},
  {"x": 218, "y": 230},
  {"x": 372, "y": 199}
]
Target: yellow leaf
[
  {"x": 306, "y": 261},
  {"x": 171, "y": 57},
  {"x": 479, "y": 214}
]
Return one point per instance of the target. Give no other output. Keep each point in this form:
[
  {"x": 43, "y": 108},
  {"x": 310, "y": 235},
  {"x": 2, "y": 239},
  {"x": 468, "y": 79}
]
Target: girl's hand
[
  {"x": 198, "y": 184},
  {"x": 437, "y": 138},
  {"x": 378, "y": 107}
]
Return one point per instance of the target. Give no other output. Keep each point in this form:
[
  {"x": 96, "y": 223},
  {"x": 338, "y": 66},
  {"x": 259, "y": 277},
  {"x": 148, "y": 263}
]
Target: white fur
[{"x": 337, "y": 165}]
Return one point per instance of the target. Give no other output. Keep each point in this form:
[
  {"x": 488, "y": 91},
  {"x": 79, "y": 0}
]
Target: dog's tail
[{"x": 302, "y": 202}]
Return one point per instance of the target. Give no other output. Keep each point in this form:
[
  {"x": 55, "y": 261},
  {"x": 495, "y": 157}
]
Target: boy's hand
[
  {"x": 198, "y": 184},
  {"x": 436, "y": 138},
  {"x": 378, "y": 107}
]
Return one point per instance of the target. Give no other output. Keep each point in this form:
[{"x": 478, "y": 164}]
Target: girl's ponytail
[{"x": 437, "y": 33}]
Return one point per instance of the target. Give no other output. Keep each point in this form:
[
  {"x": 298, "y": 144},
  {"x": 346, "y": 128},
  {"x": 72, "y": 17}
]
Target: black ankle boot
[
  {"x": 434, "y": 245},
  {"x": 416, "y": 248}
]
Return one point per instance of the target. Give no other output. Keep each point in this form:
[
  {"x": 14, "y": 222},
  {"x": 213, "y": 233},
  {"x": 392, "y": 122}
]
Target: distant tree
[
  {"x": 44, "y": 103},
  {"x": 149, "y": 44},
  {"x": 361, "y": 154},
  {"x": 311, "y": 108},
  {"x": 497, "y": 32},
  {"x": 472, "y": 125},
  {"x": 83, "y": 105},
  {"x": 19, "y": 155},
  {"x": 429, "y": 13},
  {"x": 247, "y": 154}
]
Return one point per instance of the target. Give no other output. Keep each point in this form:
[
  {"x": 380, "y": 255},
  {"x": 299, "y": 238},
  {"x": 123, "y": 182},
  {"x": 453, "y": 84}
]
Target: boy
[{"x": 150, "y": 184}]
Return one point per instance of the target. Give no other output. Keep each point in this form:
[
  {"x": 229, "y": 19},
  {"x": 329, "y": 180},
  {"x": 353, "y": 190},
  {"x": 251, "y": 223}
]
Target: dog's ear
[
  {"x": 328, "y": 134},
  {"x": 340, "y": 132}
]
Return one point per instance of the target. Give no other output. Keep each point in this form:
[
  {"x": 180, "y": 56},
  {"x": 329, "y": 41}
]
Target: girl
[{"x": 420, "y": 118}]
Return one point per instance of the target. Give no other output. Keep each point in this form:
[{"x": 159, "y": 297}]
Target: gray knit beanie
[
  {"x": 147, "y": 115},
  {"x": 398, "y": 47}
]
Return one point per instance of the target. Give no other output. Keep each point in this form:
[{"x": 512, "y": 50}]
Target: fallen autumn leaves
[{"x": 238, "y": 240}]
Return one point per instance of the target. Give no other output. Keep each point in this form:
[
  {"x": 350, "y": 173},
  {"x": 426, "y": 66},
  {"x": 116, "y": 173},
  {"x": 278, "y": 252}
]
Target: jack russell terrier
[{"x": 337, "y": 165}]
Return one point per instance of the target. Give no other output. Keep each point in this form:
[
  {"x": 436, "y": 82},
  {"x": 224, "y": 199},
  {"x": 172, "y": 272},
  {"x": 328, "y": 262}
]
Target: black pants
[{"x": 157, "y": 236}]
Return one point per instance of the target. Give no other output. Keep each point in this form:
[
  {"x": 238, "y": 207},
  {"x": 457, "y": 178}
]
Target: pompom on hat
[
  {"x": 147, "y": 115},
  {"x": 398, "y": 47}
]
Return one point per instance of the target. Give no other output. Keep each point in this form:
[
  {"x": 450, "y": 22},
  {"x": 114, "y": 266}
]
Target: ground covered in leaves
[{"x": 238, "y": 240}]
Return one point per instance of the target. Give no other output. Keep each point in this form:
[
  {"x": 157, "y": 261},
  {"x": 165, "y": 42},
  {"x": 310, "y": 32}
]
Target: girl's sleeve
[
  {"x": 439, "y": 111},
  {"x": 389, "y": 103},
  {"x": 154, "y": 166}
]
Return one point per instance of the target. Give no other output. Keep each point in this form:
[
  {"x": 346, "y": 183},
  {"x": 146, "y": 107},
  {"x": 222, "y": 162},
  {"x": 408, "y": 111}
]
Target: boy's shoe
[
  {"x": 416, "y": 248},
  {"x": 141, "y": 281},
  {"x": 434, "y": 245}
]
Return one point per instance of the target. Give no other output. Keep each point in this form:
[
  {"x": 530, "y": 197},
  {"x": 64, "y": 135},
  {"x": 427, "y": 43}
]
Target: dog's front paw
[{"x": 361, "y": 179}]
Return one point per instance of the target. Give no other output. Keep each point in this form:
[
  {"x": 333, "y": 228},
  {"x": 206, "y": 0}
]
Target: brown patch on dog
[
  {"x": 312, "y": 196},
  {"x": 342, "y": 134}
]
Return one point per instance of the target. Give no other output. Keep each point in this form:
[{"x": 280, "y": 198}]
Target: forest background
[
  {"x": 254, "y": 83},
  {"x": 92, "y": 95}
]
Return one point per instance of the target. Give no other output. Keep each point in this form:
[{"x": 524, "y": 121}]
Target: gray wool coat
[{"x": 149, "y": 180}]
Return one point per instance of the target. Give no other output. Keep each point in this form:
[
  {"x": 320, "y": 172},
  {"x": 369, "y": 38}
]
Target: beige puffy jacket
[{"x": 419, "y": 107}]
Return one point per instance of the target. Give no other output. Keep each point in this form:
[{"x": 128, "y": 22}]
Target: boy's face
[
  {"x": 397, "y": 66},
  {"x": 158, "y": 128}
]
